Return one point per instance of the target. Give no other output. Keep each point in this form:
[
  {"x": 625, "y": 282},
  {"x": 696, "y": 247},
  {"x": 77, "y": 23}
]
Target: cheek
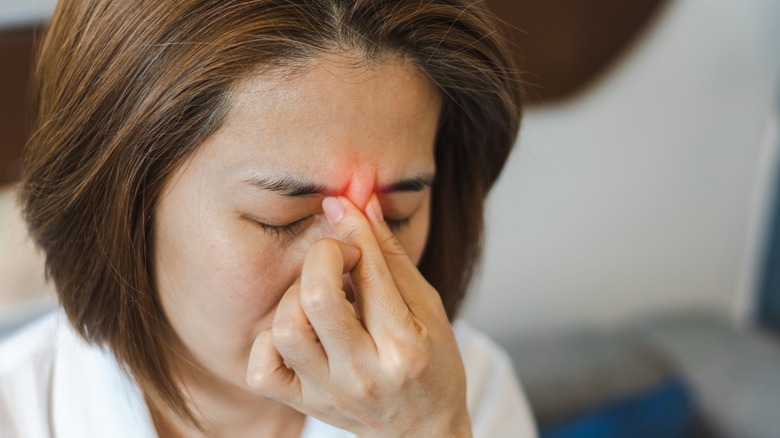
[
  {"x": 224, "y": 277},
  {"x": 415, "y": 235}
]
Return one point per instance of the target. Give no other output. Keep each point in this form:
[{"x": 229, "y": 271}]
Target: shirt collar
[{"x": 91, "y": 395}]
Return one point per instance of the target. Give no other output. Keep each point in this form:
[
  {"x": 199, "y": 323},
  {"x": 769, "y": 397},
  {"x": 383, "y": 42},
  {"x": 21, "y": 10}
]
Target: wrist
[{"x": 457, "y": 426}]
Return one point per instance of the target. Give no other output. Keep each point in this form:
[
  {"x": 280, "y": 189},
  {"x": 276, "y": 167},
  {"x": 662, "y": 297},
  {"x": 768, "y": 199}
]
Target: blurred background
[{"x": 632, "y": 265}]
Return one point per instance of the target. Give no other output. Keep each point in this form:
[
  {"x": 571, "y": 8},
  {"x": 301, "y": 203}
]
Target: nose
[{"x": 360, "y": 189}]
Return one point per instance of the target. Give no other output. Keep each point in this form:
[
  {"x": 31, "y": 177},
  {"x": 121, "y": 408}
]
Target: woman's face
[{"x": 236, "y": 219}]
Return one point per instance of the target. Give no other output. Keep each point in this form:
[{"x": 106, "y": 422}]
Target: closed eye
[
  {"x": 291, "y": 230},
  {"x": 396, "y": 225},
  {"x": 294, "y": 229}
]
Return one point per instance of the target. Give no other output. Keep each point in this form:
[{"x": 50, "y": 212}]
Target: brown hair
[{"x": 126, "y": 90}]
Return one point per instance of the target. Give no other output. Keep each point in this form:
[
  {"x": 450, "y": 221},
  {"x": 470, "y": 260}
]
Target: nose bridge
[{"x": 359, "y": 190}]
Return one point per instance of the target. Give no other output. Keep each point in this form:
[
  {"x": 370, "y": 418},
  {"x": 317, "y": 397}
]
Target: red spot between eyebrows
[
  {"x": 345, "y": 189},
  {"x": 359, "y": 189}
]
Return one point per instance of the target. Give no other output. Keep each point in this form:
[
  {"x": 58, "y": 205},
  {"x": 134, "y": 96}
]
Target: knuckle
[
  {"x": 414, "y": 370},
  {"x": 315, "y": 298},
  {"x": 286, "y": 334},
  {"x": 263, "y": 380},
  {"x": 420, "y": 329},
  {"x": 365, "y": 276},
  {"x": 409, "y": 363},
  {"x": 296, "y": 363},
  {"x": 356, "y": 231},
  {"x": 392, "y": 246},
  {"x": 262, "y": 364},
  {"x": 259, "y": 380},
  {"x": 268, "y": 383},
  {"x": 416, "y": 367},
  {"x": 366, "y": 389}
]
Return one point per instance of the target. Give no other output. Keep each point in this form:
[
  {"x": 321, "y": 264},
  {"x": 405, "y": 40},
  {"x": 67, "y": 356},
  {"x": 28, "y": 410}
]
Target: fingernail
[
  {"x": 333, "y": 209},
  {"x": 374, "y": 209}
]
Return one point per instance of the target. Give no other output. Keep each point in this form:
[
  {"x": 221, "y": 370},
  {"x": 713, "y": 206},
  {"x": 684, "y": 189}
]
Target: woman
[{"x": 260, "y": 217}]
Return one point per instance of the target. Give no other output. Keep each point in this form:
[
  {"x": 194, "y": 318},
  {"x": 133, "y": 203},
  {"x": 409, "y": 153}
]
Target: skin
[{"x": 265, "y": 326}]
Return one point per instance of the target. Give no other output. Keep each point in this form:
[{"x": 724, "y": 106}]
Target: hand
[{"x": 389, "y": 366}]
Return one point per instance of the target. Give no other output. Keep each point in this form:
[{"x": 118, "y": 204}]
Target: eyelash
[
  {"x": 295, "y": 228},
  {"x": 291, "y": 230},
  {"x": 396, "y": 225}
]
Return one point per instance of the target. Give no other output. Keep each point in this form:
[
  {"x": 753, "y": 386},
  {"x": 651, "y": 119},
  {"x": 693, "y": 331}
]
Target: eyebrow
[{"x": 294, "y": 187}]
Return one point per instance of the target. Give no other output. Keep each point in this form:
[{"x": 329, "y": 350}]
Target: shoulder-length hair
[{"x": 125, "y": 90}]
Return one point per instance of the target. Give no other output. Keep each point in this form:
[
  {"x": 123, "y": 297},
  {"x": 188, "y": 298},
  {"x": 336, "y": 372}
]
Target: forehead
[{"x": 335, "y": 119}]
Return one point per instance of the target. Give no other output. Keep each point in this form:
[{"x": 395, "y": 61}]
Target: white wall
[
  {"x": 15, "y": 13},
  {"x": 644, "y": 194}
]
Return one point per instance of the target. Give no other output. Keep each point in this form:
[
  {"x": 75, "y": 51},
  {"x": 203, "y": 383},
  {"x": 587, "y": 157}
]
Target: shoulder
[
  {"x": 26, "y": 363},
  {"x": 33, "y": 344},
  {"x": 496, "y": 402}
]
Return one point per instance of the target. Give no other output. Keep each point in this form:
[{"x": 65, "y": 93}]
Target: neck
[{"x": 226, "y": 410}]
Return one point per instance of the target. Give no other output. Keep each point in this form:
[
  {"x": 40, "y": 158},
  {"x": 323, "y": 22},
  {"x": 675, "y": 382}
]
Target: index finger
[
  {"x": 382, "y": 309},
  {"x": 418, "y": 294}
]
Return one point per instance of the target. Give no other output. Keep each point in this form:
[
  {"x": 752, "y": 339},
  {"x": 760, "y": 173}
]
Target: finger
[
  {"x": 295, "y": 340},
  {"x": 267, "y": 373},
  {"x": 415, "y": 290},
  {"x": 324, "y": 300},
  {"x": 381, "y": 308}
]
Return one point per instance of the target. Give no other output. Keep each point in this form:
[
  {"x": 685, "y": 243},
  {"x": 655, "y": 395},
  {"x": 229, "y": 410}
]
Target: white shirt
[{"x": 52, "y": 383}]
